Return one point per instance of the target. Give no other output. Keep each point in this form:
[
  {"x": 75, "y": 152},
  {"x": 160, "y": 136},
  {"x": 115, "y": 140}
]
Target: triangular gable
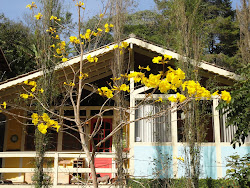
[{"x": 104, "y": 50}]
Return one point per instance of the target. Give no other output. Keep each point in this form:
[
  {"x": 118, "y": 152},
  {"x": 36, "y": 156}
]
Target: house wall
[
  {"x": 146, "y": 157},
  {"x": 13, "y": 127},
  {"x": 157, "y": 161},
  {"x": 153, "y": 161},
  {"x": 208, "y": 166}
]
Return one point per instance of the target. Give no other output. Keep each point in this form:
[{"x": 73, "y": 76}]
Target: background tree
[
  {"x": 238, "y": 111},
  {"x": 17, "y": 43}
]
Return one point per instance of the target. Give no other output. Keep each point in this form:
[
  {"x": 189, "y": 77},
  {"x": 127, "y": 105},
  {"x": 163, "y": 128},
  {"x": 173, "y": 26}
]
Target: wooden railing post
[{"x": 55, "y": 169}]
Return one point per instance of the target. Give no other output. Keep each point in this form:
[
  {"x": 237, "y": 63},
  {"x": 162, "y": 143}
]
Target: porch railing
[{"x": 56, "y": 169}]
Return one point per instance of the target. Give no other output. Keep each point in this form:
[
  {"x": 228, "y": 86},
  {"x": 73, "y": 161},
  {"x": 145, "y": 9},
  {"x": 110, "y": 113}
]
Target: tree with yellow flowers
[{"x": 187, "y": 90}]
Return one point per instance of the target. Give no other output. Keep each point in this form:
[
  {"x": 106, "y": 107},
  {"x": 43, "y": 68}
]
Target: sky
[{"x": 15, "y": 9}]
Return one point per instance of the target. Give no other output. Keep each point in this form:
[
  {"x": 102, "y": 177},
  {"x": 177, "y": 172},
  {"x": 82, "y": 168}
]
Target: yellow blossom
[
  {"x": 41, "y": 90},
  {"x": 147, "y": 68},
  {"x": 124, "y": 87},
  {"x": 35, "y": 118},
  {"x": 70, "y": 84},
  {"x": 181, "y": 97},
  {"x": 101, "y": 15},
  {"x": 62, "y": 44},
  {"x": 215, "y": 93},
  {"x": 53, "y": 46},
  {"x": 26, "y": 82},
  {"x": 59, "y": 51},
  {"x": 172, "y": 99},
  {"x": 32, "y": 83},
  {"x": 45, "y": 117},
  {"x": 99, "y": 30},
  {"x": 137, "y": 76},
  {"x": 64, "y": 59},
  {"x": 33, "y": 89},
  {"x": 157, "y": 59},
  {"x": 164, "y": 86},
  {"x": 107, "y": 29},
  {"x": 159, "y": 100},
  {"x": 32, "y": 5},
  {"x": 124, "y": 44},
  {"x": 4, "y": 104},
  {"x": 167, "y": 57},
  {"x": 179, "y": 158},
  {"x": 80, "y": 4},
  {"x": 56, "y": 126},
  {"x": 51, "y": 30},
  {"x": 38, "y": 16},
  {"x": 226, "y": 96},
  {"x": 83, "y": 75},
  {"x": 55, "y": 18},
  {"x": 25, "y": 96},
  {"x": 106, "y": 92},
  {"x": 56, "y": 37},
  {"x": 74, "y": 39},
  {"x": 42, "y": 128},
  {"x": 153, "y": 80},
  {"x": 92, "y": 59},
  {"x": 115, "y": 79}
]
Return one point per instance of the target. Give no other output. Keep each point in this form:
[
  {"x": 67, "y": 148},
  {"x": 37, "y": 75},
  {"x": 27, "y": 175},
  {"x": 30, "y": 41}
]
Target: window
[
  {"x": 227, "y": 132},
  {"x": 70, "y": 137},
  {"x": 206, "y": 121},
  {"x": 105, "y": 130},
  {"x": 30, "y": 139},
  {"x": 155, "y": 129}
]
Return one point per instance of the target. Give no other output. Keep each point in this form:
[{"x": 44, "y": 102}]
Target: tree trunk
[{"x": 93, "y": 172}]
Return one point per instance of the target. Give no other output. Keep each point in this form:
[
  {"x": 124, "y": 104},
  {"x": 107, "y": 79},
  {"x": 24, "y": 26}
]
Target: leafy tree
[
  {"x": 239, "y": 169},
  {"x": 146, "y": 24},
  {"x": 238, "y": 111},
  {"x": 17, "y": 43},
  {"x": 222, "y": 27}
]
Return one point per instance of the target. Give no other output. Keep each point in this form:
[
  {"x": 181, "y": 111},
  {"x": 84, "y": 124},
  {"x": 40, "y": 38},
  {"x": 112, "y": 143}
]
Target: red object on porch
[{"x": 105, "y": 130}]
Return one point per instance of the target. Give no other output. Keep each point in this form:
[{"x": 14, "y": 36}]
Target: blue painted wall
[
  {"x": 227, "y": 151},
  {"x": 150, "y": 161},
  {"x": 207, "y": 162}
]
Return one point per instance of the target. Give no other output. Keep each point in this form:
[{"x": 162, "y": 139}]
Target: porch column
[
  {"x": 174, "y": 135},
  {"x": 217, "y": 137},
  {"x": 131, "y": 128}
]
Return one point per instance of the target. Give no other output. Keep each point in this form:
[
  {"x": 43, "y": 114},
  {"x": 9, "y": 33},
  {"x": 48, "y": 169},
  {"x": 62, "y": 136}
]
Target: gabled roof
[{"x": 104, "y": 50}]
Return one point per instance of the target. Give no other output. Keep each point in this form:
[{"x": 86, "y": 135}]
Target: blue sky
[{"x": 15, "y": 9}]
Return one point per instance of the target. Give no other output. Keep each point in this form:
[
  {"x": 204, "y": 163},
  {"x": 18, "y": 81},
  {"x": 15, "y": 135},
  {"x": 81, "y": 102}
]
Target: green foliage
[
  {"x": 239, "y": 169},
  {"x": 16, "y": 42},
  {"x": 147, "y": 25},
  {"x": 181, "y": 183},
  {"x": 238, "y": 110},
  {"x": 222, "y": 27}
]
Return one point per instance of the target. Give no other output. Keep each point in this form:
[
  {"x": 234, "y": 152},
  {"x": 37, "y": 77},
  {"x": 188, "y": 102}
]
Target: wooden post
[{"x": 55, "y": 169}]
